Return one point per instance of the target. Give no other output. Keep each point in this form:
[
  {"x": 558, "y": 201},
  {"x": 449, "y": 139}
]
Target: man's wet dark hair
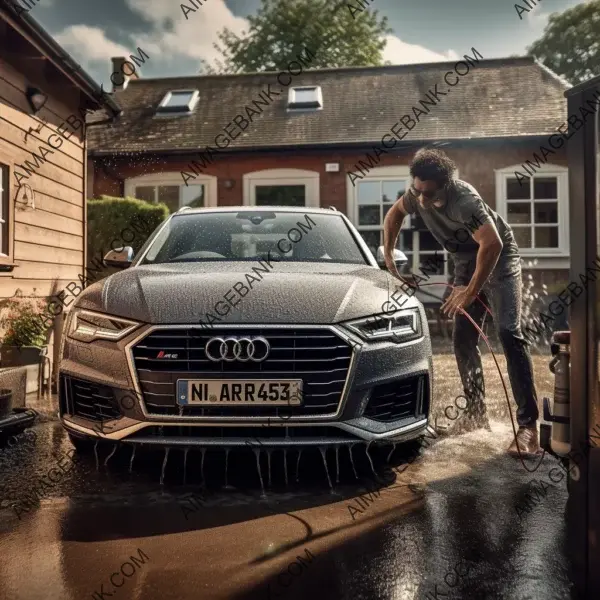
[{"x": 431, "y": 164}]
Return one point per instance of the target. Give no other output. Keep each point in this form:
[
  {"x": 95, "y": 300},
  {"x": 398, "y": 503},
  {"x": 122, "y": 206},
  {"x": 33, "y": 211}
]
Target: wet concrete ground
[{"x": 454, "y": 533}]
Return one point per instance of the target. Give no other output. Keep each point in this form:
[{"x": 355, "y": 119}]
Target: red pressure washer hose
[{"x": 485, "y": 339}]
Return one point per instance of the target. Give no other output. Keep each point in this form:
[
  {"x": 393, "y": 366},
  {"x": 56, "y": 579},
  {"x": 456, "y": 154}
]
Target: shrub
[
  {"x": 111, "y": 222},
  {"x": 22, "y": 322}
]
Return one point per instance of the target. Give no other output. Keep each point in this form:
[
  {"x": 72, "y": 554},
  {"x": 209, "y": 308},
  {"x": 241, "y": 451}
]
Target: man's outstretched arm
[
  {"x": 391, "y": 228},
  {"x": 490, "y": 247}
]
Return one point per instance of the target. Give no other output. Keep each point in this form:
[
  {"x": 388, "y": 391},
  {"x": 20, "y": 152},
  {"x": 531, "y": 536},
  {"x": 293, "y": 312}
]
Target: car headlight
[
  {"x": 87, "y": 326},
  {"x": 399, "y": 326}
]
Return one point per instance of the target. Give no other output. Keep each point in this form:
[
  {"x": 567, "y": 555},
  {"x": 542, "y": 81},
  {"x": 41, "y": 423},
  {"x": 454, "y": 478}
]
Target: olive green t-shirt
[{"x": 463, "y": 213}]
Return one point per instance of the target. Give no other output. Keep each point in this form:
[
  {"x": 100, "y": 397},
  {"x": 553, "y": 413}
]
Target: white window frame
[
  {"x": 310, "y": 179},
  {"x": 162, "y": 108},
  {"x": 174, "y": 178},
  {"x": 393, "y": 173},
  {"x": 562, "y": 179},
  {"x": 292, "y": 98}
]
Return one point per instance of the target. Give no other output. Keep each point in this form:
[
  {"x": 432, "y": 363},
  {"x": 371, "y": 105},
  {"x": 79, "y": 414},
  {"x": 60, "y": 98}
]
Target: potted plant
[{"x": 24, "y": 338}]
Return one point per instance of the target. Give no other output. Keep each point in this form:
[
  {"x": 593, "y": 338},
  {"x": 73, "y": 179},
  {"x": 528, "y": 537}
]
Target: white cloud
[
  {"x": 174, "y": 36},
  {"x": 402, "y": 53},
  {"x": 191, "y": 37},
  {"x": 89, "y": 43},
  {"x": 537, "y": 20}
]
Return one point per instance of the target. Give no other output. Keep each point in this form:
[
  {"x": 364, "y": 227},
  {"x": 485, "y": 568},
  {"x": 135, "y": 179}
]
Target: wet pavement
[{"x": 448, "y": 526}]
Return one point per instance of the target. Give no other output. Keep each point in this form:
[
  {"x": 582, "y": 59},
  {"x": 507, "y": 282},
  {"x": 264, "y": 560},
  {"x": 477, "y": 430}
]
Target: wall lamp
[{"x": 36, "y": 98}]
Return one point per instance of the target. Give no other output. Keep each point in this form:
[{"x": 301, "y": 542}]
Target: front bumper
[{"x": 376, "y": 372}]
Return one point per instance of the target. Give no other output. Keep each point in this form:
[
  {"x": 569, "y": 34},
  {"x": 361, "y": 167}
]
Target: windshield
[{"x": 251, "y": 235}]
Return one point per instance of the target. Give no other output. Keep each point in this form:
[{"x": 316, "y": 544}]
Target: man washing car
[{"x": 486, "y": 264}]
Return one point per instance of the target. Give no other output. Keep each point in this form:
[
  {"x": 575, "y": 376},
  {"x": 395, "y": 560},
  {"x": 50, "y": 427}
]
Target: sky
[{"x": 93, "y": 31}]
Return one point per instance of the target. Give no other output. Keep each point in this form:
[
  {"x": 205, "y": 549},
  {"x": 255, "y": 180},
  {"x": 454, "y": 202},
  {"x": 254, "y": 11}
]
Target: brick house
[{"x": 326, "y": 140}]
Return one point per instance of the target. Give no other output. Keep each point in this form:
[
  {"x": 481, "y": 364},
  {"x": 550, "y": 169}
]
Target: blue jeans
[{"x": 502, "y": 294}]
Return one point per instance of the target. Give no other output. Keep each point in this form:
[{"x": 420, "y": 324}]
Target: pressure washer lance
[{"x": 560, "y": 441}]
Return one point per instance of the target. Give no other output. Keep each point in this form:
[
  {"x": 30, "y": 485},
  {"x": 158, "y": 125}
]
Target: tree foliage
[
  {"x": 570, "y": 44},
  {"x": 340, "y": 34}
]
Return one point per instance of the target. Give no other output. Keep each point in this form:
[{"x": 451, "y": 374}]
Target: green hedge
[{"x": 113, "y": 222}]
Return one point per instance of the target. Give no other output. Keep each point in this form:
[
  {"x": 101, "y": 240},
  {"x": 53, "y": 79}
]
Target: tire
[{"x": 83, "y": 445}]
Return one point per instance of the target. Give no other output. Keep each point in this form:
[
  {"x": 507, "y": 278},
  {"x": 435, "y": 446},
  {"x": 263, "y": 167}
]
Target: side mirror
[
  {"x": 121, "y": 259},
  {"x": 399, "y": 257}
]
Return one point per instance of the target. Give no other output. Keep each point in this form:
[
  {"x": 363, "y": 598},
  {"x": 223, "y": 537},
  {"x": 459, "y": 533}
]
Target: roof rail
[{"x": 333, "y": 208}]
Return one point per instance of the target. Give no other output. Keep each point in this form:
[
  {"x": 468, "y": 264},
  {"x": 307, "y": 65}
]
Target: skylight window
[
  {"x": 178, "y": 101},
  {"x": 308, "y": 97}
]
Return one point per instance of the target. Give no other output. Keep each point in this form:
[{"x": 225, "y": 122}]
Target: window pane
[
  {"x": 368, "y": 215},
  {"x": 368, "y": 192},
  {"x": 418, "y": 223},
  {"x": 516, "y": 191},
  {"x": 405, "y": 240},
  {"x": 179, "y": 99},
  {"x": 430, "y": 265},
  {"x": 428, "y": 242},
  {"x": 392, "y": 190},
  {"x": 192, "y": 195},
  {"x": 522, "y": 236},
  {"x": 305, "y": 95},
  {"x": 545, "y": 188},
  {"x": 145, "y": 192},
  {"x": 518, "y": 212},
  {"x": 546, "y": 237},
  {"x": 386, "y": 208},
  {"x": 372, "y": 239},
  {"x": 280, "y": 195},
  {"x": 169, "y": 194},
  {"x": 546, "y": 212}
]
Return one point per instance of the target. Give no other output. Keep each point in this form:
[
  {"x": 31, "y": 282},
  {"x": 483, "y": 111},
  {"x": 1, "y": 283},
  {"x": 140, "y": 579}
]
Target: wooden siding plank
[
  {"x": 38, "y": 166},
  {"x": 47, "y": 237},
  {"x": 40, "y": 270},
  {"x": 32, "y": 252},
  {"x": 31, "y": 287},
  {"x": 48, "y": 220}
]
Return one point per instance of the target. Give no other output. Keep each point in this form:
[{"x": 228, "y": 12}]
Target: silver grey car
[{"x": 275, "y": 324}]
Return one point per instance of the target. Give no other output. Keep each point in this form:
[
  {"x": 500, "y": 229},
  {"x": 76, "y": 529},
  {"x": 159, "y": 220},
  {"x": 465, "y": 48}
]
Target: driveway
[{"x": 456, "y": 532}]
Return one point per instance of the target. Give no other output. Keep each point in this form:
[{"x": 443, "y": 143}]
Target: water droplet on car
[
  {"x": 352, "y": 460},
  {"x": 110, "y": 455},
  {"x": 391, "y": 452},
  {"x": 262, "y": 485},
  {"x": 322, "y": 450},
  {"x": 132, "y": 457},
  {"x": 369, "y": 457},
  {"x": 185, "y": 454},
  {"x": 96, "y": 455},
  {"x": 269, "y": 465},
  {"x": 164, "y": 466},
  {"x": 298, "y": 463}
]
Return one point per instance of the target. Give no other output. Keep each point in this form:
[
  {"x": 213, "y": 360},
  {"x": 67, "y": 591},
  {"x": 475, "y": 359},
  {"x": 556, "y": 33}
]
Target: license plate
[{"x": 252, "y": 392}]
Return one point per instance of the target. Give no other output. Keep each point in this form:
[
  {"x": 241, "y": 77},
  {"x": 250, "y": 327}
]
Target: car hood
[{"x": 318, "y": 293}]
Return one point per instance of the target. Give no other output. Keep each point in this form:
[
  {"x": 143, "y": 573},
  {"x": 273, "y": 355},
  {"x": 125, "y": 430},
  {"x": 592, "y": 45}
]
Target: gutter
[{"x": 341, "y": 146}]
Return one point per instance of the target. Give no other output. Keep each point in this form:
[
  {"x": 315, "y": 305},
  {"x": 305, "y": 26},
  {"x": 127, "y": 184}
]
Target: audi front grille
[{"x": 316, "y": 355}]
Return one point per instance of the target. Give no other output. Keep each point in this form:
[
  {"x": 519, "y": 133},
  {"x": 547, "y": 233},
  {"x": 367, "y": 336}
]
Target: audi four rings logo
[{"x": 233, "y": 348}]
